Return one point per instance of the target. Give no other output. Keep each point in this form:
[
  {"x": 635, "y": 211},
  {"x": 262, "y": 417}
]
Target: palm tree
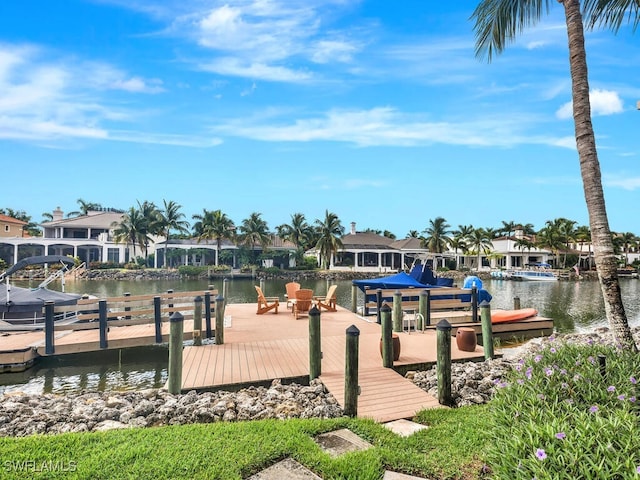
[
  {"x": 130, "y": 229},
  {"x": 480, "y": 240},
  {"x": 85, "y": 208},
  {"x": 550, "y": 237},
  {"x": 629, "y": 240},
  {"x": 329, "y": 231},
  {"x": 413, "y": 234},
  {"x": 298, "y": 232},
  {"x": 171, "y": 219},
  {"x": 583, "y": 236},
  {"x": 437, "y": 235},
  {"x": 152, "y": 223},
  {"x": 214, "y": 225},
  {"x": 496, "y": 23},
  {"x": 254, "y": 231}
]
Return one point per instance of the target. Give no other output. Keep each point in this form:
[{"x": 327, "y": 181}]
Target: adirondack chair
[
  {"x": 266, "y": 303},
  {"x": 292, "y": 288},
  {"x": 327, "y": 302},
  {"x": 302, "y": 305}
]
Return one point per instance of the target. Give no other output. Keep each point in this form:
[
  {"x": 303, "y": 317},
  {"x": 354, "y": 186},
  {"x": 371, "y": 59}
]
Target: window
[
  {"x": 113, "y": 255},
  {"x": 6, "y": 228}
]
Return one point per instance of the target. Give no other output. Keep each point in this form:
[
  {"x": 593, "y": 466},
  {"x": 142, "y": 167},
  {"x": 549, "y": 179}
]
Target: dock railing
[{"x": 128, "y": 310}]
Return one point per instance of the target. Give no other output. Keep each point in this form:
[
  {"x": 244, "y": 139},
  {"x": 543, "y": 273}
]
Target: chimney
[
  {"x": 353, "y": 228},
  {"x": 57, "y": 214}
]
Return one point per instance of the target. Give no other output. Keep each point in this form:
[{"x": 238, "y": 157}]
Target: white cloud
[
  {"x": 326, "y": 51},
  {"x": 603, "y": 102},
  {"x": 621, "y": 181},
  {"x": 237, "y": 68},
  {"x": 51, "y": 100},
  {"x": 535, "y": 44},
  {"x": 390, "y": 127}
]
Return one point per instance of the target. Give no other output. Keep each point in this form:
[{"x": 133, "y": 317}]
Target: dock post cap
[
  {"x": 219, "y": 298},
  {"x": 443, "y": 325},
  {"x": 314, "y": 310},
  {"x": 198, "y": 299},
  {"x": 176, "y": 317},
  {"x": 385, "y": 307},
  {"x": 484, "y": 303},
  {"x": 353, "y": 331}
]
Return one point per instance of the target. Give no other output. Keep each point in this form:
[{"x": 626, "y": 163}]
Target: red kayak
[{"x": 502, "y": 316}]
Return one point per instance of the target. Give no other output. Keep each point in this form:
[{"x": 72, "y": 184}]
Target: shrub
[
  {"x": 192, "y": 270},
  {"x": 569, "y": 412}
]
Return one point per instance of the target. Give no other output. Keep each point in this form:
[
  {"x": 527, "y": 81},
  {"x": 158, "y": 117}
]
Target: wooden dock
[{"x": 260, "y": 348}]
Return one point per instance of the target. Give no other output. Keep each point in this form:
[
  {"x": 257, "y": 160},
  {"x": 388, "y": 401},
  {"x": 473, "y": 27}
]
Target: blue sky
[{"x": 377, "y": 111}]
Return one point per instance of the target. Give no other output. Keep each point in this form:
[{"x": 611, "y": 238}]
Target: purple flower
[
  {"x": 541, "y": 396},
  {"x": 528, "y": 373},
  {"x": 561, "y": 435},
  {"x": 569, "y": 401},
  {"x": 548, "y": 372},
  {"x": 633, "y": 380},
  {"x": 564, "y": 385},
  {"x": 520, "y": 381},
  {"x": 537, "y": 358},
  {"x": 632, "y": 399},
  {"x": 593, "y": 409},
  {"x": 638, "y": 469},
  {"x": 611, "y": 389},
  {"x": 592, "y": 360},
  {"x": 541, "y": 454},
  {"x": 563, "y": 371},
  {"x": 621, "y": 397},
  {"x": 552, "y": 350}
]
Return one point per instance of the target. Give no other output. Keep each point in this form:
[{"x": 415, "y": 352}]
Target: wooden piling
[
  {"x": 397, "y": 311},
  {"x": 427, "y": 314},
  {"x": 219, "y": 320},
  {"x": 387, "y": 340},
  {"x": 102, "y": 318},
  {"x": 423, "y": 301},
  {"x": 176, "y": 336},
  {"x": 443, "y": 366},
  {"x": 127, "y": 309},
  {"x": 354, "y": 299},
  {"x": 516, "y": 303},
  {"x": 474, "y": 303},
  {"x": 207, "y": 314},
  {"x": 378, "y": 305},
  {"x": 197, "y": 321},
  {"x": 49, "y": 347},
  {"x": 487, "y": 329},
  {"x": 157, "y": 317},
  {"x": 315, "y": 347},
  {"x": 351, "y": 387}
]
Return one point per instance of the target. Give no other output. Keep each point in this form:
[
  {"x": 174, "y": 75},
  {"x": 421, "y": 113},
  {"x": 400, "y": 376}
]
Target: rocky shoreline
[{"x": 22, "y": 414}]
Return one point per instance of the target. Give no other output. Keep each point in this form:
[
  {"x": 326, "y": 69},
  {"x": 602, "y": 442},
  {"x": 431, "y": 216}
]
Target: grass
[{"x": 452, "y": 447}]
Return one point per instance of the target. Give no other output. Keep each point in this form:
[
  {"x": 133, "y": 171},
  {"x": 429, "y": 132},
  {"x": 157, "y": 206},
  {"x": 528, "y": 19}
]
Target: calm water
[{"x": 575, "y": 307}]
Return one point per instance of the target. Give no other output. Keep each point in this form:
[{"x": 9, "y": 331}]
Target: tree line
[{"x": 146, "y": 220}]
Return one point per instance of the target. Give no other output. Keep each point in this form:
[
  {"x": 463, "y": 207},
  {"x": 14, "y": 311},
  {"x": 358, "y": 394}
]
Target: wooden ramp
[
  {"x": 384, "y": 396},
  {"x": 261, "y": 348}
]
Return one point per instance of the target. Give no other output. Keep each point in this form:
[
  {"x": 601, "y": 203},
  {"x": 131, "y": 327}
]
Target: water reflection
[{"x": 110, "y": 370}]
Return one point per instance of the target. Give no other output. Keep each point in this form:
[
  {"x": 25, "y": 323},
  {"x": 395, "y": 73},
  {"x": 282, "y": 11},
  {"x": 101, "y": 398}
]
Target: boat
[
  {"x": 534, "y": 275},
  {"x": 504, "y": 316},
  {"x": 24, "y": 306}
]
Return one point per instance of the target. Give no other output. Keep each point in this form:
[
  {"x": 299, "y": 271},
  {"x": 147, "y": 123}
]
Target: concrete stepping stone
[
  {"x": 389, "y": 475},
  {"x": 341, "y": 441},
  {"x": 287, "y": 469},
  {"x": 404, "y": 428}
]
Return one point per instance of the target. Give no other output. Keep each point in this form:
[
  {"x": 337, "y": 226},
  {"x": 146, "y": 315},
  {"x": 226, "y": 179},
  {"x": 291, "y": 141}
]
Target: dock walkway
[{"x": 260, "y": 348}]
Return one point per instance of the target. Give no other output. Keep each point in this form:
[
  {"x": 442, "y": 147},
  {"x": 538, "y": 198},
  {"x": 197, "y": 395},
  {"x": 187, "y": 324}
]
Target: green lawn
[{"x": 452, "y": 447}]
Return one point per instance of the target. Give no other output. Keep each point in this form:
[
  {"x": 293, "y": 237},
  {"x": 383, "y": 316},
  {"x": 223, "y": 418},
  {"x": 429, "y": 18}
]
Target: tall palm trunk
[{"x": 606, "y": 264}]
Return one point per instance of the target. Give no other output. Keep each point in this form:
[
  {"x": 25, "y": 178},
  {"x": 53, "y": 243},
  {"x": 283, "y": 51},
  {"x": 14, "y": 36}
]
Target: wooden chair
[
  {"x": 304, "y": 300},
  {"x": 266, "y": 303},
  {"x": 292, "y": 288},
  {"x": 327, "y": 302}
]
